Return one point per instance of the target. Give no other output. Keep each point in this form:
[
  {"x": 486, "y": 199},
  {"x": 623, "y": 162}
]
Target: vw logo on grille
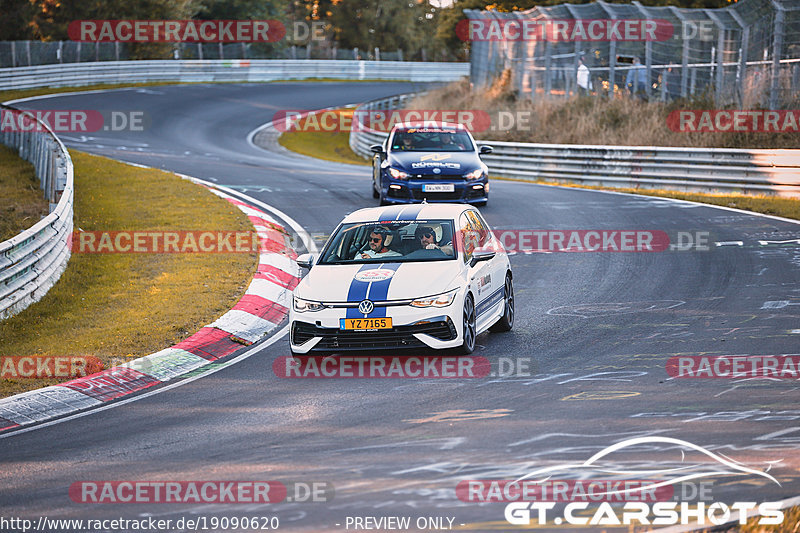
[
  {"x": 366, "y": 307},
  {"x": 436, "y": 171}
]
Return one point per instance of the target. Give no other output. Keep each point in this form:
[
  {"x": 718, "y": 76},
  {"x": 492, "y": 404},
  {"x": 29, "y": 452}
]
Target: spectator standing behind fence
[
  {"x": 584, "y": 81},
  {"x": 672, "y": 81},
  {"x": 637, "y": 80}
]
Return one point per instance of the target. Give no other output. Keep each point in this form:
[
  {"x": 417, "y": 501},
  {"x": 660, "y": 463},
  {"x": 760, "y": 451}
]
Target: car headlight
[
  {"x": 475, "y": 174},
  {"x": 398, "y": 174},
  {"x": 301, "y": 306},
  {"x": 440, "y": 300}
]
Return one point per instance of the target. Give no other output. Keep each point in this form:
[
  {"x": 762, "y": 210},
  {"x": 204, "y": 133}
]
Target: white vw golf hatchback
[{"x": 402, "y": 277}]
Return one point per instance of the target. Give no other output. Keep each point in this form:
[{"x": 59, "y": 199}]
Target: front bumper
[
  {"x": 411, "y": 191},
  {"x": 436, "y": 332}
]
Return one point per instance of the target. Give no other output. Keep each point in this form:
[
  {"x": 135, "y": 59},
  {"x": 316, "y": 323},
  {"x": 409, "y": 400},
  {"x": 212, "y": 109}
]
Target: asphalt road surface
[{"x": 593, "y": 335}]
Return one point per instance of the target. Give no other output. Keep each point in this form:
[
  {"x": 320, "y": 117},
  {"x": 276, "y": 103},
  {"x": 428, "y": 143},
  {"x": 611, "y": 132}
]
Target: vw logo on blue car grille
[{"x": 366, "y": 307}]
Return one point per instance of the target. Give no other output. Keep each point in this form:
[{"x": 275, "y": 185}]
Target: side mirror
[
  {"x": 481, "y": 255},
  {"x": 376, "y": 149},
  {"x": 486, "y": 149},
  {"x": 305, "y": 260}
]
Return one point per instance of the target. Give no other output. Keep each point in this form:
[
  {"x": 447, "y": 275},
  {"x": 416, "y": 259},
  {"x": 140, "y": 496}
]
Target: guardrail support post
[
  {"x": 741, "y": 70},
  {"x": 718, "y": 88},
  {"x": 777, "y": 46}
]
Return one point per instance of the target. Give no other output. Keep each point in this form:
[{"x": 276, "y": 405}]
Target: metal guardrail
[
  {"x": 235, "y": 70},
  {"x": 31, "y": 262},
  {"x": 774, "y": 172}
]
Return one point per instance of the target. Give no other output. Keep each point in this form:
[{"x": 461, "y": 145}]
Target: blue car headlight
[
  {"x": 398, "y": 174},
  {"x": 474, "y": 175}
]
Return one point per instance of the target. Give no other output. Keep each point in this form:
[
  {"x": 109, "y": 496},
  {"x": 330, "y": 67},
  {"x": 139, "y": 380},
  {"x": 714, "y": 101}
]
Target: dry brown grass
[
  {"x": 791, "y": 524},
  {"x": 22, "y": 202},
  {"x": 592, "y": 120}
]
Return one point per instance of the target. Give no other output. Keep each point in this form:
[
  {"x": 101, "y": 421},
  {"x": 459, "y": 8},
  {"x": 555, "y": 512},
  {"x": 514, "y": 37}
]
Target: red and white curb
[{"x": 258, "y": 313}]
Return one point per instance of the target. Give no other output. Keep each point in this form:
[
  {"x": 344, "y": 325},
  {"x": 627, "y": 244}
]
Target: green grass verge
[
  {"x": 336, "y": 147},
  {"x": 122, "y": 306},
  {"x": 14, "y": 94},
  {"x": 331, "y": 146},
  {"x": 22, "y": 202},
  {"x": 769, "y": 205}
]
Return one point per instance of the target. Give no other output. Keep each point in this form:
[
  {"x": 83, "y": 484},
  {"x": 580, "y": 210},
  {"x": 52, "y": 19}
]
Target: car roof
[
  {"x": 428, "y": 124},
  {"x": 405, "y": 213}
]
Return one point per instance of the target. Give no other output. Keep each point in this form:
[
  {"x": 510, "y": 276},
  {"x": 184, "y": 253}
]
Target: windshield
[
  {"x": 390, "y": 241},
  {"x": 431, "y": 140}
]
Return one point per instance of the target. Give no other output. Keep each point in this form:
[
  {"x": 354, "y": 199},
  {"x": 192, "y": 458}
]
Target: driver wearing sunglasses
[
  {"x": 378, "y": 239},
  {"x": 427, "y": 240}
]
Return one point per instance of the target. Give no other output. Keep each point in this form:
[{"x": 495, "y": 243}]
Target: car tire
[
  {"x": 506, "y": 322},
  {"x": 482, "y": 204},
  {"x": 469, "y": 326},
  {"x": 375, "y": 193},
  {"x": 383, "y": 198}
]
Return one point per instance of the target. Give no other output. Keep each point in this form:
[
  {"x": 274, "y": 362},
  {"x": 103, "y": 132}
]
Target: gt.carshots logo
[{"x": 535, "y": 496}]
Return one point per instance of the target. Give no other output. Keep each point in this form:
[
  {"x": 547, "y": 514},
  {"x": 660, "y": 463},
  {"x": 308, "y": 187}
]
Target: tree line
[{"x": 421, "y": 29}]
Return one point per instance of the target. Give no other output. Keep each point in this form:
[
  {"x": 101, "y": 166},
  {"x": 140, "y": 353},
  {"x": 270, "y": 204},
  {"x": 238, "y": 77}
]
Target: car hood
[
  {"x": 448, "y": 163},
  {"x": 390, "y": 281}
]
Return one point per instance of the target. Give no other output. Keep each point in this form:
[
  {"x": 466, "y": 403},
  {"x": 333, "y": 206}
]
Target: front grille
[
  {"x": 419, "y": 195},
  {"x": 450, "y": 177},
  {"x": 398, "y": 193},
  {"x": 397, "y": 337}
]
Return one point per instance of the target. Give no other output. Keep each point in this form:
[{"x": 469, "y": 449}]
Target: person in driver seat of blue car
[
  {"x": 427, "y": 240},
  {"x": 406, "y": 143},
  {"x": 447, "y": 139},
  {"x": 379, "y": 239}
]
